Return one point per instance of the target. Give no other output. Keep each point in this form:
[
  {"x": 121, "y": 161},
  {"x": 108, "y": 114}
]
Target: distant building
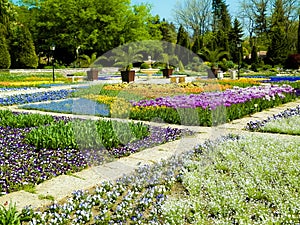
[{"x": 260, "y": 54}]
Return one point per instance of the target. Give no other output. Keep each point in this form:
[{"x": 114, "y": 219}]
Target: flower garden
[
  {"x": 18, "y": 80},
  {"x": 236, "y": 179}
]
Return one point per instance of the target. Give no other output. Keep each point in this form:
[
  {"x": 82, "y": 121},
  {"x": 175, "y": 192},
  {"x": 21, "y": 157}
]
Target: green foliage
[
  {"x": 145, "y": 66},
  {"x": 10, "y": 215},
  {"x": 214, "y": 55},
  {"x": 198, "y": 44},
  {"x": 126, "y": 55},
  {"x": 6, "y": 15},
  {"x": 8, "y": 119},
  {"x": 298, "y": 40},
  {"x": 87, "y": 61},
  {"x": 95, "y": 26},
  {"x": 13, "y": 77},
  {"x": 225, "y": 65},
  {"x": 183, "y": 37},
  {"x": 4, "y": 53},
  {"x": 235, "y": 37},
  {"x": 22, "y": 49},
  {"x": 168, "y": 32},
  {"x": 86, "y": 134},
  {"x": 221, "y": 16},
  {"x": 254, "y": 57}
]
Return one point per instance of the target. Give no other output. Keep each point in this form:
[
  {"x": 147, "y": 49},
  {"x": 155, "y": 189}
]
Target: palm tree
[
  {"x": 87, "y": 61},
  {"x": 125, "y": 56},
  {"x": 213, "y": 56}
]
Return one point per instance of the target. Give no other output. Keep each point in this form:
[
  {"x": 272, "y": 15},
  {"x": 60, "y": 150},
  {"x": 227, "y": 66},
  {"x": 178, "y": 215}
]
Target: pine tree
[
  {"x": 221, "y": 24},
  {"x": 278, "y": 48},
  {"x": 221, "y": 16},
  {"x": 168, "y": 31},
  {"x": 277, "y": 51},
  {"x": 235, "y": 37},
  {"x": 22, "y": 49},
  {"x": 4, "y": 54}
]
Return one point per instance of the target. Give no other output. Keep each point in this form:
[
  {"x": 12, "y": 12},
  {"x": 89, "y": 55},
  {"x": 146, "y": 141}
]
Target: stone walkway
[{"x": 61, "y": 187}]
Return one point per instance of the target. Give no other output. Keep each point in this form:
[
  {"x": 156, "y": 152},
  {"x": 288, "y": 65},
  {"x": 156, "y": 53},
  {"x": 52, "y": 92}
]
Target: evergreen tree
[
  {"x": 182, "y": 37},
  {"x": 198, "y": 44},
  {"x": 277, "y": 51},
  {"x": 221, "y": 16},
  {"x": 221, "y": 24},
  {"x": 4, "y": 53},
  {"x": 168, "y": 31},
  {"x": 278, "y": 48},
  {"x": 298, "y": 46},
  {"x": 235, "y": 37},
  {"x": 254, "y": 56},
  {"x": 260, "y": 17},
  {"x": 5, "y": 11},
  {"x": 22, "y": 49},
  {"x": 183, "y": 41}
]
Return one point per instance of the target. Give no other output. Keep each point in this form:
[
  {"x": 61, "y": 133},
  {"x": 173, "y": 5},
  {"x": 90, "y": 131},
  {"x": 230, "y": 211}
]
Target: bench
[
  {"x": 71, "y": 76},
  {"x": 177, "y": 78}
]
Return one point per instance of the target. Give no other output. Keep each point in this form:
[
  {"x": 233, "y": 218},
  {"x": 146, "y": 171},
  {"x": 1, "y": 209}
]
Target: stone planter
[
  {"x": 128, "y": 76},
  {"x": 167, "y": 72},
  {"x": 92, "y": 74}
]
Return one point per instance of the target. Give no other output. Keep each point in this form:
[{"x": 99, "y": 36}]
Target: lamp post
[
  {"x": 239, "y": 57},
  {"x": 52, "y": 48},
  {"x": 77, "y": 55}
]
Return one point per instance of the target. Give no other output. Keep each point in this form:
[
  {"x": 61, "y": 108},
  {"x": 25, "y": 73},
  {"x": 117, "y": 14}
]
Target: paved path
[{"x": 61, "y": 187}]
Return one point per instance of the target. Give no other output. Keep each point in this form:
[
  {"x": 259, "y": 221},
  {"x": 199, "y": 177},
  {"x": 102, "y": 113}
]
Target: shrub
[
  {"x": 293, "y": 61},
  {"x": 145, "y": 66},
  {"x": 23, "y": 50},
  {"x": 4, "y": 54}
]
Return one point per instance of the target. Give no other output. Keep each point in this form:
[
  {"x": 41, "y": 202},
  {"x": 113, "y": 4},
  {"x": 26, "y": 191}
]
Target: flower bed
[
  {"x": 35, "y": 148},
  {"x": 29, "y": 80},
  {"x": 208, "y": 108},
  {"x": 241, "y": 181},
  {"x": 34, "y": 97},
  {"x": 235, "y": 180},
  {"x": 242, "y": 82},
  {"x": 158, "y": 90},
  {"x": 286, "y": 122}
]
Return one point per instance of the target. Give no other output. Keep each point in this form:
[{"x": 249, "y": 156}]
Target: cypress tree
[
  {"x": 254, "y": 57},
  {"x": 183, "y": 41},
  {"x": 182, "y": 37},
  {"x": 198, "y": 43},
  {"x": 278, "y": 49},
  {"x": 299, "y": 35},
  {"x": 4, "y": 53},
  {"x": 23, "y": 50}
]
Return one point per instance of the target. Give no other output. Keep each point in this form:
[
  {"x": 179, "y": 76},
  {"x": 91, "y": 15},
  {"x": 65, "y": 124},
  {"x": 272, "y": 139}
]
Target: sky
[{"x": 164, "y": 8}]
